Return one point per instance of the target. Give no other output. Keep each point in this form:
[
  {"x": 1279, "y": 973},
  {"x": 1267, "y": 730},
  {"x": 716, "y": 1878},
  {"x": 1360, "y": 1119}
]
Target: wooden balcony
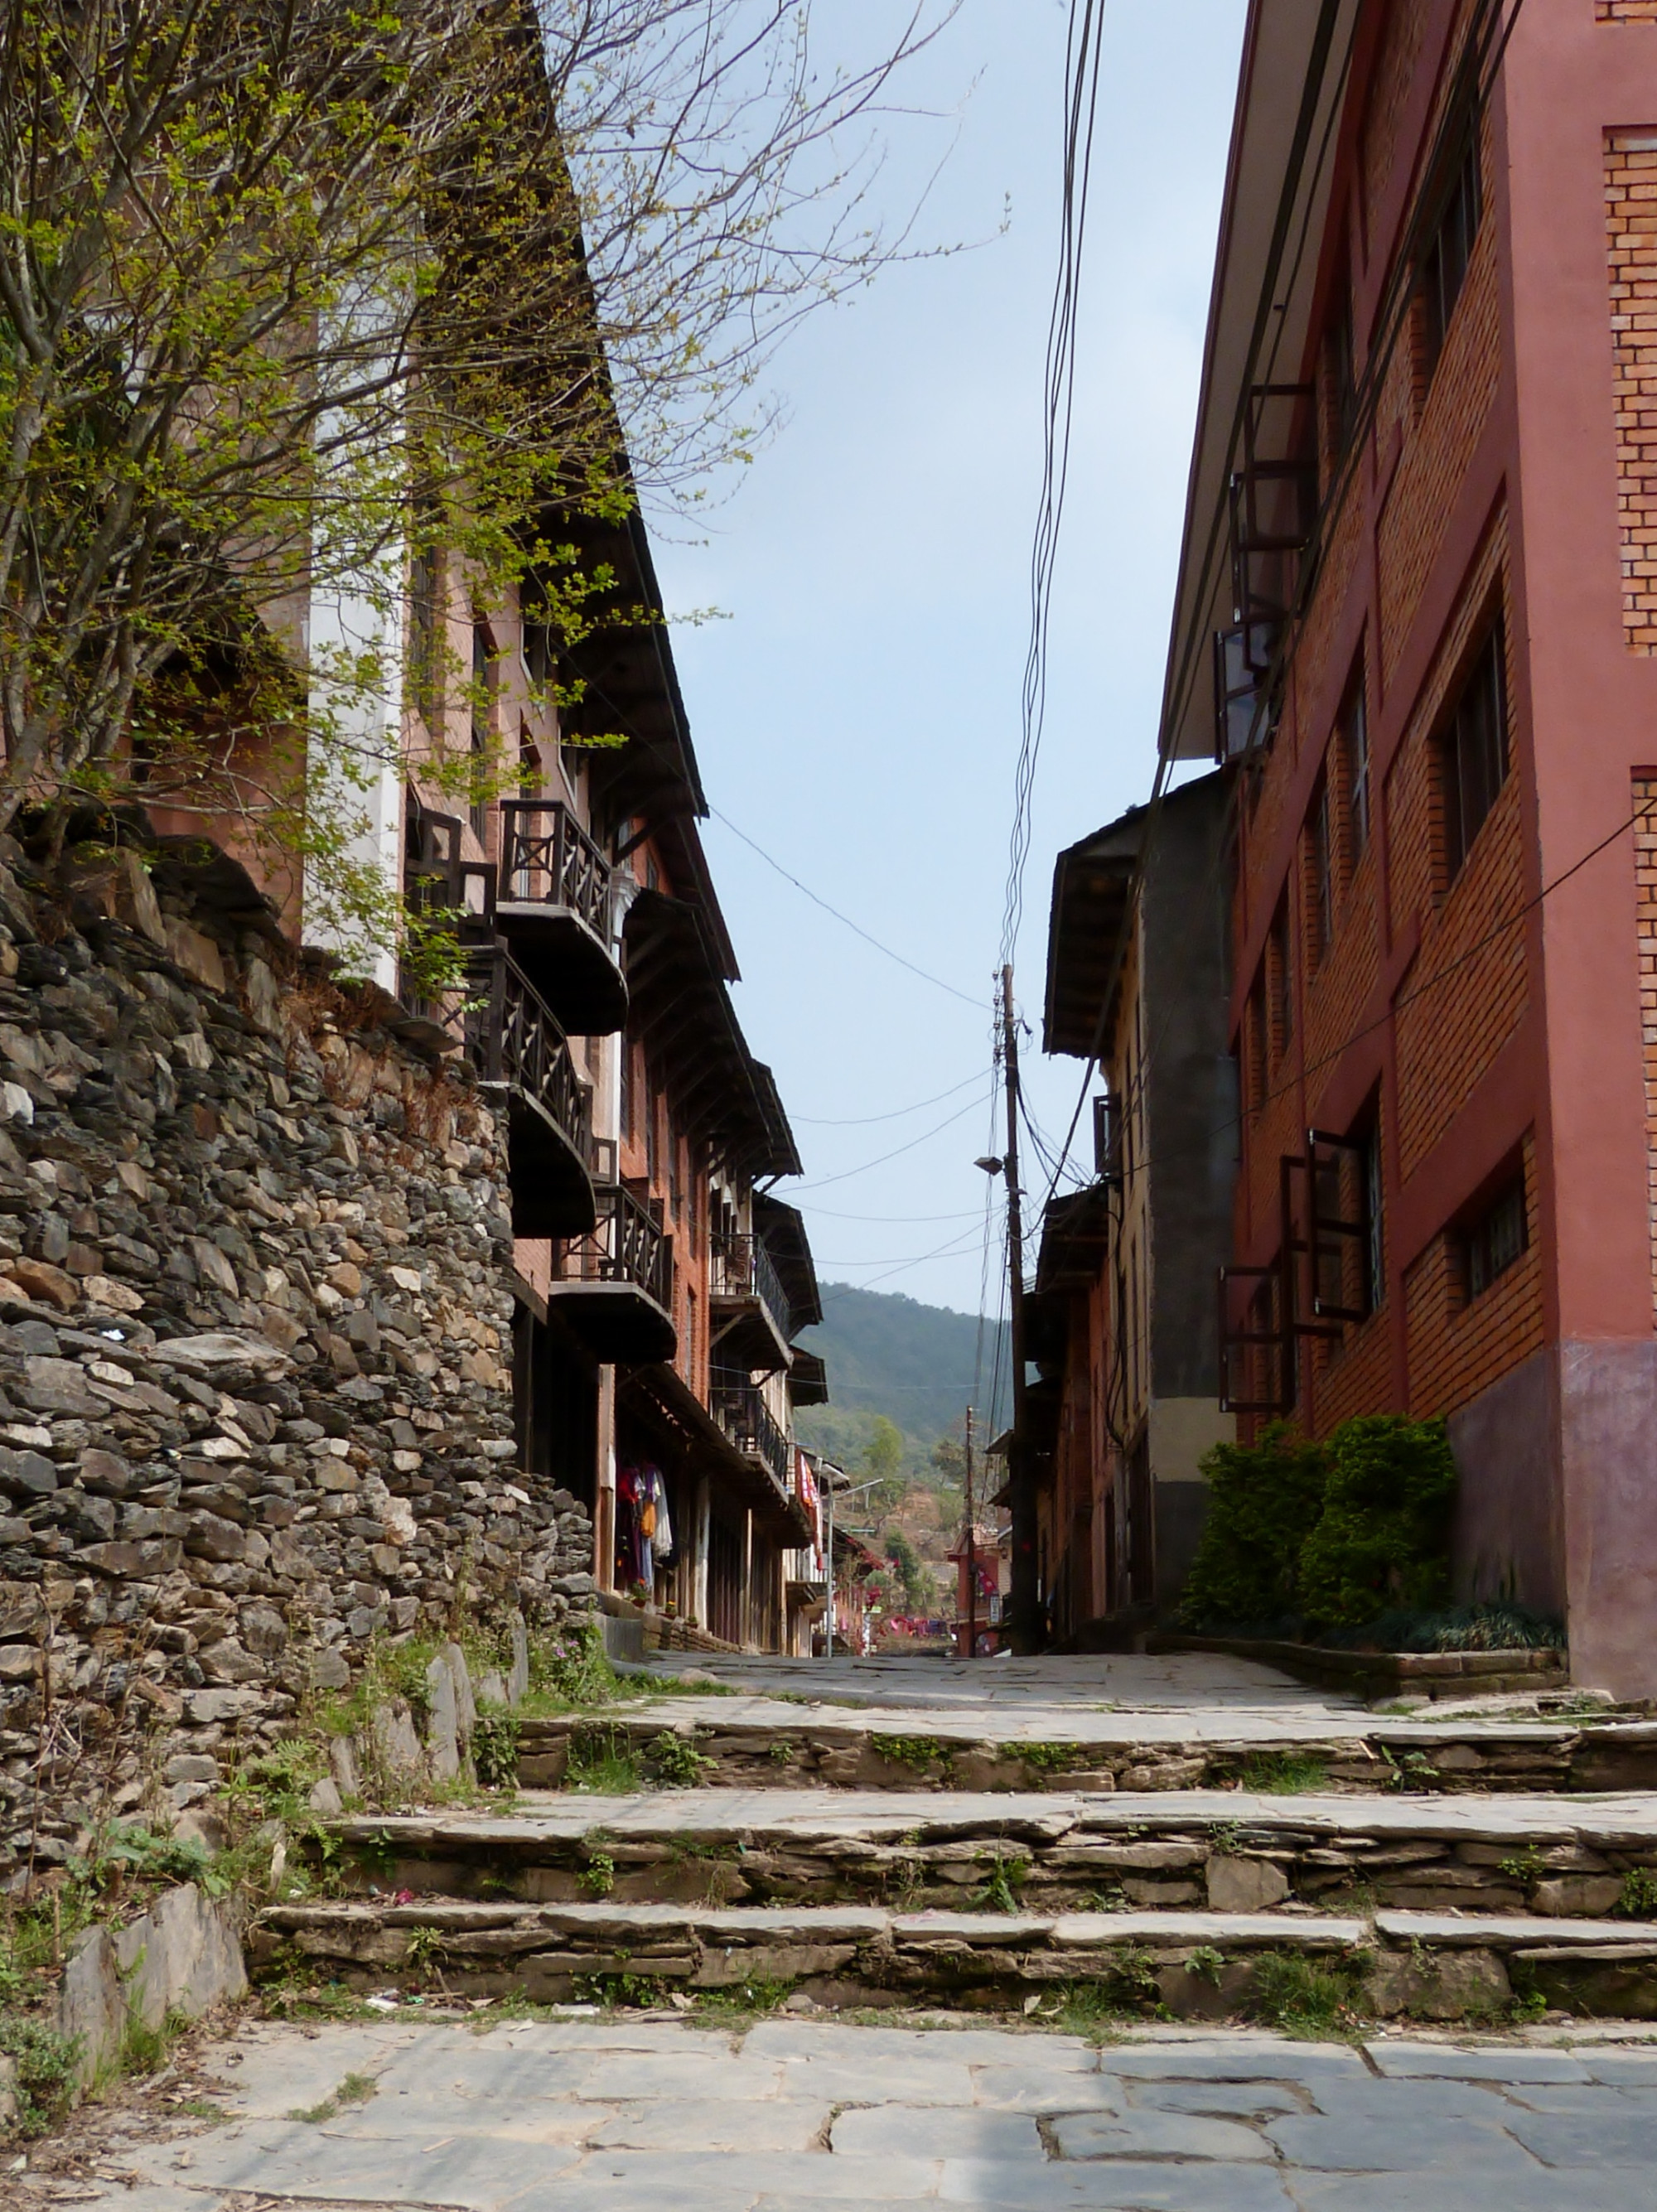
[
  {"x": 521, "y": 1056},
  {"x": 739, "y": 1408},
  {"x": 749, "y": 1306},
  {"x": 615, "y": 1285},
  {"x": 551, "y": 902}
]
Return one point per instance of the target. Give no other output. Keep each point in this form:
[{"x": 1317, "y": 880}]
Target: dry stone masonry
[{"x": 255, "y": 1391}]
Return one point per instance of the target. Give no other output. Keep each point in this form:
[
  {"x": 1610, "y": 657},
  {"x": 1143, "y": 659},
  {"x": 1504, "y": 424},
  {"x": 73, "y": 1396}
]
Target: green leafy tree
[
  {"x": 1262, "y": 1500},
  {"x": 883, "y": 1462},
  {"x": 299, "y": 304},
  {"x": 1381, "y": 1540},
  {"x": 917, "y": 1585}
]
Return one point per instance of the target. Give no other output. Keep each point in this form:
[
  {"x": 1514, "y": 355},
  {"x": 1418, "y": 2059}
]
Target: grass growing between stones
[
  {"x": 355, "y": 2089},
  {"x": 1283, "y": 1774},
  {"x": 741, "y": 2004},
  {"x": 1313, "y": 2000},
  {"x": 602, "y": 1763},
  {"x": 1639, "y": 1898},
  {"x": 1007, "y": 1874},
  {"x": 920, "y": 1753},
  {"x": 676, "y": 1760}
]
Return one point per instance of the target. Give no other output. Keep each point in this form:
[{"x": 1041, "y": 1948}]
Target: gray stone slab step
[
  {"x": 1552, "y": 1855},
  {"x": 1198, "y": 1964},
  {"x": 761, "y": 1742}
]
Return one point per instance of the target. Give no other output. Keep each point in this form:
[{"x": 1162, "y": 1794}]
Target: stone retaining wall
[
  {"x": 847, "y": 1752},
  {"x": 255, "y": 1389},
  {"x": 1194, "y": 1966}
]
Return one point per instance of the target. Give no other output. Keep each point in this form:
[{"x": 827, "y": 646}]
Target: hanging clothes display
[{"x": 644, "y": 1532}]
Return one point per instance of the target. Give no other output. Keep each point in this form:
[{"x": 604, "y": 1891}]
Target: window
[
  {"x": 1496, "y": 1239},
  {"x": 1355, "y": 763},
  {"x": 1345, "y": 1229},
  {"x": 483, "y": 715},
  {"x": 627, "y": 1088},
  {"x": 539, "y": 660},
  {"x": 1323, "y": 889},
  {"x": 1449, "y": 248},
  {"x": 1474, "y": 752},
  {"x": 1283, "y": 986},
  {"x": 1375, "y": 1247},
  {"x": 1340, "y": 381},
  {"x": 1259, "y": 1058}
]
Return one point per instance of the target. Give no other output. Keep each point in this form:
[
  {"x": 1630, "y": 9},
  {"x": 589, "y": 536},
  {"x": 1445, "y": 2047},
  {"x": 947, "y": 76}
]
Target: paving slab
[
  {"x": 1133, "y": 1680},
  {"x": 1470, "y": 2190},
  {"x": 1412, "y": 2060},
  {"x": 1509, "y": 1931},
  {"x": 925, "y": 1816},
  {"x": 926, "y": 2131},
  {"x": 675, "y": 2124},
  {"x": 1038, "y": 2088},
  {"x": 1406, "y": 2144},
  {"x": 1123, "y": 2187},
  {"x": 1241, "y": 2100},
  {"x": 1232, "y": 2058},
  {"x": 1574, "y": 2140},
  {"x": 599, "y": 2114},
  {"x": 1156, "y": 2135}
]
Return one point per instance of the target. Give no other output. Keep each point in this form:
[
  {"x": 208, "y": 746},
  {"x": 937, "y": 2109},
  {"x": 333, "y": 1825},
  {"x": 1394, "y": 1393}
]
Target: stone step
[
  {"x": 1554, "y": 1856},
  {"x": 1198, "y": 1964},
  {"x": 766, "y": 1743}
]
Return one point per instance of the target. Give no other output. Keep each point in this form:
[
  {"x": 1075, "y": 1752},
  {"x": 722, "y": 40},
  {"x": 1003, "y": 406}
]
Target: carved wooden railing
[
  {"x": 628, "y": 1245},
  {"x": 740, "y": 1409},
  {"x": 741, "y": 1267},
  {"x": 546, "y": 858},
  {"x": 510, "y": 1036}
]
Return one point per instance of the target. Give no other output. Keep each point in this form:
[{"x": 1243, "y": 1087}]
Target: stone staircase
[{"x": 1472, "y": 1864}]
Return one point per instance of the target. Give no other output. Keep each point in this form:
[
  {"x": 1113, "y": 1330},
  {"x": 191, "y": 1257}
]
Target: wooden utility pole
[
  {"x": 1025, "y": 1595},
  {"x": 972, "y": 1549}
]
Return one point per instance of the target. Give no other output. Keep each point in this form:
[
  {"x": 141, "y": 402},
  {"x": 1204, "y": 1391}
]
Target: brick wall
[
  {"x": 1389, "y": 94},
  {"x": 1630, "y": 159},
  {"x": 1353, "y": 1375},
  {"x": 1645, "y": 878},
  {"x": 1421, "y": 496},
  {"x": 1467, "y": 990},
  {"x": 1458, "y": 1347},
  {"x": 1625, "y": 11}
]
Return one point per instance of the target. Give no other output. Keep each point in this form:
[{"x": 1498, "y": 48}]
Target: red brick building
[{"x": 1418, "y": 611}]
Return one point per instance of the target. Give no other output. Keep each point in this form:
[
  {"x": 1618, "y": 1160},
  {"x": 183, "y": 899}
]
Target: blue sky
[{"x": 856, "y": 710}]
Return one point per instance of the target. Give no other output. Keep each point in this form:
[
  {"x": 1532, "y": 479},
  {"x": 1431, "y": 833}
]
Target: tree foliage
[
  {"x": 287, "y": 289},
  {"x": 917, "y": 1583},
  {"x": 1382, "y": 1539},
  {"x": 1262, "y": 1499},
  {"x": 1333, "y": 1535}
]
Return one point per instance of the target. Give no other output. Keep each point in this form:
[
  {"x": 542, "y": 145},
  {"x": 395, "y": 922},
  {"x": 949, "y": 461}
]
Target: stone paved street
[
  {"x": 1010, "y": 1689},
  {"x": 561, "y": 2115}
]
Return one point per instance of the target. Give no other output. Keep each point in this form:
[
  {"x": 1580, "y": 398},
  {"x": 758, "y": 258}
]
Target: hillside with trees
[{"x": 901, "y": 1376}]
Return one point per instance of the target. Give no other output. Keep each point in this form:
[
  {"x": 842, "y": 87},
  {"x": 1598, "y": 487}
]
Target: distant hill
[{"x": 889, "y": 1354}]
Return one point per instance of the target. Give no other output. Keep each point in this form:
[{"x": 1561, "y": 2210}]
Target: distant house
[
  {"x": 1122, "y": 1322},
  {"x": 983, "y": 1573}
]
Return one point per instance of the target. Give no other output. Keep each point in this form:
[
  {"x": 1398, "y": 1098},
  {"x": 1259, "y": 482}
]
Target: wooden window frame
[
  {"x": 1474, "y": 755},
  {"x": 1448, "y": 252}
]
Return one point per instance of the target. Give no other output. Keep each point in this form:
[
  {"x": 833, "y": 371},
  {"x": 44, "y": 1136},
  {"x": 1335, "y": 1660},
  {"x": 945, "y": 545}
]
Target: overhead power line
[
  {"x": 1082, "y": 62},
  {"x": 844, "y": 919}
]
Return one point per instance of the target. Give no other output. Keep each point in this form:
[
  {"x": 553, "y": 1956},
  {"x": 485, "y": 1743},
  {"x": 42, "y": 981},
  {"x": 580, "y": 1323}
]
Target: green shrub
[
  {"x": 1262, "y": 1499},
  {"x": 495, "y": 1747},
  {"x": 45, "y": 2063},
  {"x": 1382, "y": 1539}
]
